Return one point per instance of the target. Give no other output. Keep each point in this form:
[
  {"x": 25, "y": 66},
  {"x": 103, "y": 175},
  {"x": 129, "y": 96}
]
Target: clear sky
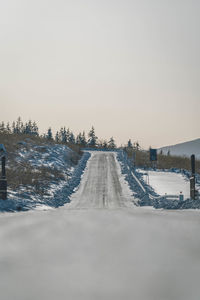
[{"x": 131, "y": 68}]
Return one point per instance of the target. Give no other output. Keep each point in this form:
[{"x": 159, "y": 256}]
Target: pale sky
[{"x": 129, "y": 68}]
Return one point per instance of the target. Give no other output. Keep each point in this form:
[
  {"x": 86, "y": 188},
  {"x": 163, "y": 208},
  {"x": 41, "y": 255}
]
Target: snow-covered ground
[
  {"x": 60, "y": 176},
  {"x": 152, "y": 192},
  {"x": 99, "y": 250},
  {"x": 167, "y": 183}
]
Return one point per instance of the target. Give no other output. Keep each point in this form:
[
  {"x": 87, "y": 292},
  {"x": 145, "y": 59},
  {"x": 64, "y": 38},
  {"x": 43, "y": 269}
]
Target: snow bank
[
  {"x": 148, "y": 195},
  {"x": 54, "y": 156},
  {"x": 58, "y": 157}
]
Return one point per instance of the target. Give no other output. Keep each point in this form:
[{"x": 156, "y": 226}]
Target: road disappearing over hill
[
  {"x": 100, "y": 246},
  {"x": 102, "y": 185}
]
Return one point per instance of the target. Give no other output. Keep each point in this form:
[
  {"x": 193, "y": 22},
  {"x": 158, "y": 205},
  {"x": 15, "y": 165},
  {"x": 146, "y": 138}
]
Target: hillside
[
  {"x": 184, "y": 149},
  {"x": 39, "y": 171}
]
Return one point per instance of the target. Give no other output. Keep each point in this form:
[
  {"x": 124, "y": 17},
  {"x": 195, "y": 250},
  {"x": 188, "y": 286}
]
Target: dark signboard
[{"x": 153, "y": 154}]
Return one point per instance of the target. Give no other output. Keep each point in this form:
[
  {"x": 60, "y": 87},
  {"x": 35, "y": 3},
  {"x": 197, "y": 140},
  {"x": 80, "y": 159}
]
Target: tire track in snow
[{"x": 101, "y": 186}]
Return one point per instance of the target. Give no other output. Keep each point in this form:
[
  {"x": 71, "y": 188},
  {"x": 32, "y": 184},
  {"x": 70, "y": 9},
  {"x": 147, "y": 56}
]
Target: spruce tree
[
  {"x": 111, "y": 143},
  {"x": 8, "y": 130},
  {"x": 79, "y": 139},
  {"x": 13, "y": 127},
  {"x": 71, "y": 138},
  {"x": 64, "y": 136},
  {"x": 57, "y": 137},
  {"x": 105, "y": 144},
  {"x": 129, "y": 145},
  {"x": 2, "y": 127},
  {"x": 68, "y": 133},
  {"x": 83, "y": 139},
  {"x": 49, "y": 135},
  {"x": 35, "y": 130},
  {"x": 92, "y": 138}
]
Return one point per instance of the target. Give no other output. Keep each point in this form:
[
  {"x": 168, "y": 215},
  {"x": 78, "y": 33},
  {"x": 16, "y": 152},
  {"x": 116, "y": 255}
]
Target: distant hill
[{"x": 183, "y": 149}]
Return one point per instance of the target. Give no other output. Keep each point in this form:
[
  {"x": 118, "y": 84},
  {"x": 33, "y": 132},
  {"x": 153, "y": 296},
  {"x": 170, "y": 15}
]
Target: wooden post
[
  {"x": 3, "y": 181},
  {"x": 3, "y": 164},
  {"x": 192, "y": 179}
]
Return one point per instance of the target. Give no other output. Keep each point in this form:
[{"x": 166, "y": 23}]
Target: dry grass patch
[{"x": 164, "y": 161}]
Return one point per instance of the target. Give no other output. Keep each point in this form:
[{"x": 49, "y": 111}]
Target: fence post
[
  {"x": 192, "y": 179},
  {"x": 3, "y": 181}
]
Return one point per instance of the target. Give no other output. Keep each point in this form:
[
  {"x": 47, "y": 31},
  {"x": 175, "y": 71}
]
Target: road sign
[{"x": 153, "y": 154}]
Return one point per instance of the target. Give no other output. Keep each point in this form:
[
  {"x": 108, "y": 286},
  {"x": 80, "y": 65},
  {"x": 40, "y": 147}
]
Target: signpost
[
  {"x": 153, "y": 154},
  {"x": 3, "y": 181},
  {"x": 153, "y": 157}
]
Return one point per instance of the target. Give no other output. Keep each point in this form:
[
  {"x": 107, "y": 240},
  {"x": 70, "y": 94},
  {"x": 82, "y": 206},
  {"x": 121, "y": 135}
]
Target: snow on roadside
[
  {"x": 167, "y": 182},
  {"x": 54, "y": 156},
  {"x": 152, "y": 194},
  {"x": 57, "y": 192}
]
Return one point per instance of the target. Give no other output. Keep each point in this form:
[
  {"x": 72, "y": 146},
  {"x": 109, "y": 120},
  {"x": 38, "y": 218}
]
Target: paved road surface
[{"x": 100, "y": 247}]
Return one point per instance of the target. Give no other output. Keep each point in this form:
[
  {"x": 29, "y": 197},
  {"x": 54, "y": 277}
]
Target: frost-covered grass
[
  {"x": 164, "y": 161},
  {"x": 55, "y": 195},
  {"x": 37, "y": 171}
]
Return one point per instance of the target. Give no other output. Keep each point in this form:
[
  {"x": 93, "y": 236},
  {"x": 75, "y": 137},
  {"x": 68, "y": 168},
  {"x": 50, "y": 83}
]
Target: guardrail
[{"x": 167, "y": 197}]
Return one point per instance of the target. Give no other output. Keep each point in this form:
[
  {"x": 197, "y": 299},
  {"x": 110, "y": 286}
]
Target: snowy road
[
  {"x": 100, "y": 247},
  {"x": 104, "y": 188}
]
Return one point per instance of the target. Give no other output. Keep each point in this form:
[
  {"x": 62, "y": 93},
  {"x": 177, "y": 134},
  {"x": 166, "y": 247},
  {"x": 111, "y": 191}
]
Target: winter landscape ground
[
  {"x": 99, "y": 150},
  {"x": 101, "y": 245}
]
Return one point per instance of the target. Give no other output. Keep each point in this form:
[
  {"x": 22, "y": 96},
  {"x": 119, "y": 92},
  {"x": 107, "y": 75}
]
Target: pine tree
[
  {"x": 61, "y": 133},
  {"x": 8, "y": 130},
  {"x": 111, "y": 143},
  {"x": 35, "y": 130},
  {"x": 129, "y": 145},
  {"x": 49, "y": 135},
  {"x": 13, "y": 127},
  {"x": 71, "y": 138},
  {"x": 57, "y": 137},
  {"x": 79, "y": 139},
  {"x": 136, "y": 146},
  {"x": 105, "y": 144},
  {"x": 2, "y": 127},
  {"x": 19, "y": 126},
  {"x": 92, "y": 138},
  {"x": 68, "y": 133},
  {"x": 64, "y": 135},
  {"x": 26, "y": 129},
  {"x": 83, "y": 139}
]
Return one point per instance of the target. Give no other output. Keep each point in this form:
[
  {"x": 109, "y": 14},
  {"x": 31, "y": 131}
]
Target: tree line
[{"x": 64, "y": 135}]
